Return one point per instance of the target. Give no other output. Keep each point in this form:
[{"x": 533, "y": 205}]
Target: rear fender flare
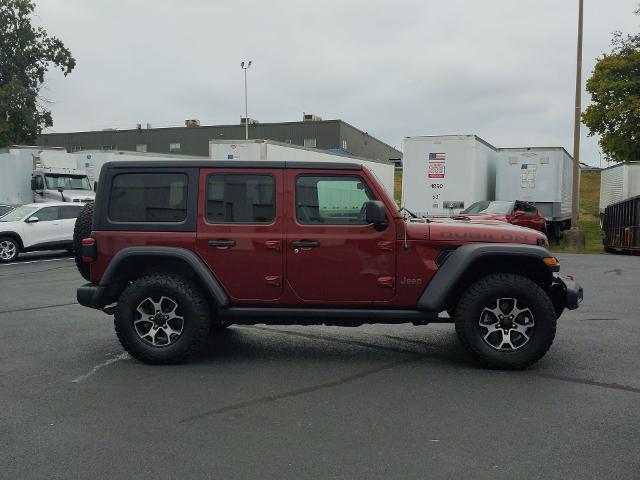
[{"x": 195, "y": 263}]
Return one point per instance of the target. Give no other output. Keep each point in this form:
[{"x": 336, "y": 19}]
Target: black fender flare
[
  {"x": 199, "y": 268},
  {"x": 434, "y": 296}
]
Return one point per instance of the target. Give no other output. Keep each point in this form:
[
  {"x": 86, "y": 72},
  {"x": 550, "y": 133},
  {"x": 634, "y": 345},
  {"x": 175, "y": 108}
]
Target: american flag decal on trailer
[{"x": 438, "y": 157}]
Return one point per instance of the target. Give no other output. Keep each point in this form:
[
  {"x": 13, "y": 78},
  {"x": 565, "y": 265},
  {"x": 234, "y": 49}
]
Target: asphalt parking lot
[{"x": 317, "y": 402}]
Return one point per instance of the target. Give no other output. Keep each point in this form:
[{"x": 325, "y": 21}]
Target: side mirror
[
  {"x": 33, "y": 183},
  {"x": 33, "y": 220},
  {"x": 518, "y": 214},
  {"x": 375, "y": 212}
]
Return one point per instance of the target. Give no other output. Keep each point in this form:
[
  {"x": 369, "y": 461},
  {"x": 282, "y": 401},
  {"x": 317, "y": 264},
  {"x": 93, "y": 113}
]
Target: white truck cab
[{"x": 56, "y": 178}]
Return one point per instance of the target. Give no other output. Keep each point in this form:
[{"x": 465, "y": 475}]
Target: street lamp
[{"x": 245, "y": 66}]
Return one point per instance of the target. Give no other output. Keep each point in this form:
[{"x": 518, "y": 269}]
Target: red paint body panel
[{"x": 109, "y": 243}]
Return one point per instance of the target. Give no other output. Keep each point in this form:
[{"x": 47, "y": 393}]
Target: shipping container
[
  {"x": 277, "y": 151},
  {"x": 619, "y": 182},
  {"x": 445, "y": 174},
  {"x": 622, "y": 226},
  {"x": 542, "y": 176}
]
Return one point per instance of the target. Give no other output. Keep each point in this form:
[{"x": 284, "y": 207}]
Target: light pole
[
  {"x": 576, "y": 128},
  {"x": 245, "y": 66}
]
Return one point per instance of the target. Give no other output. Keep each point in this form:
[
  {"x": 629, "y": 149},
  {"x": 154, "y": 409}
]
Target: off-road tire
[
  {"x": 195, "y": 311},
  {"x": 486, "y": 290},
  {"x": 82, "y": 230},
  {"x": 16, "y": 249}
]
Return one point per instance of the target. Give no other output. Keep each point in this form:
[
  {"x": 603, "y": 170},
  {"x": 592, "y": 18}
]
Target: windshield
[
  {"x": 501, "y": 208},
  {"x": 4, "y": 209},
  {"x": 68, "y": 182},
  {"x": 18, "y": 214}
]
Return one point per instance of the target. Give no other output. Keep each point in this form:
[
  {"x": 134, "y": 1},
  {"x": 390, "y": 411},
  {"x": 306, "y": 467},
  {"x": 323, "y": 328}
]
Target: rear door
[
  {"x": 332, "y": 254},
  {"x": 240, "y": 231},
  {"x": 68, "y": 215}
]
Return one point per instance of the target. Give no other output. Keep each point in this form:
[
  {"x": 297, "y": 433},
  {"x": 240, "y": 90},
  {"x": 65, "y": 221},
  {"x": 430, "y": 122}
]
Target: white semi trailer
[
  {"x": 444, "y": 174},
  {"x": 542, "y": 176},
  {"x": 276, "y": 151}
]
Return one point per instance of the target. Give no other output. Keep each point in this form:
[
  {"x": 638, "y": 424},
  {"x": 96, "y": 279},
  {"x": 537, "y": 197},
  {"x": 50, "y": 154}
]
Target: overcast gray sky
[{"x": 503, "y": 69}]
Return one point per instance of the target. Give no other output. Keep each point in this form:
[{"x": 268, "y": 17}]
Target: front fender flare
[{"x": 435, "y": 295}]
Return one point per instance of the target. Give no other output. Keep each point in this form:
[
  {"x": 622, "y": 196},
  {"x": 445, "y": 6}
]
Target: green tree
[
  {"x": 26, "y": 53},
  {"x": 614, "y": 86}
]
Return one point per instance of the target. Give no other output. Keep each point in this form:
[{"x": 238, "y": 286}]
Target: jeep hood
[{"x": 458, "y": 232}]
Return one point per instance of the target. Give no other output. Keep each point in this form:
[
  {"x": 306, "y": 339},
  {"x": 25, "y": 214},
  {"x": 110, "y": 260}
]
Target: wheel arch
[
  {"x": 15, "y": 236},
  {"x": 134, "y": 262},
  {"x": 471, "y": 262}
]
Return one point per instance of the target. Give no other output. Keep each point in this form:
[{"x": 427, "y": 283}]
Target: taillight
[{"x": 89, "y": 250}]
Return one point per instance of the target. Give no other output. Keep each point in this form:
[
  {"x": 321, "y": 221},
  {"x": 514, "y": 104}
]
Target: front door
[
  {"x": 332, "y": 254},
  {"x": 47, "y": 230},
  {"x": 240, "y": 231}
]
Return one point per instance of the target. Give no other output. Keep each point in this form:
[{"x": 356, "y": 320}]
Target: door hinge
[
  {"x": 387, "y": 282},
  {"x": 273, "y": 280},
  {"x": 273, "y": 245},
  {"x": 385, "y": 245}
]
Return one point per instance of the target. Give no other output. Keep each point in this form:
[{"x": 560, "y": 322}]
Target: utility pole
[
  {"x": 576, "y": 128},
  {"x": 245, "y": 66}
]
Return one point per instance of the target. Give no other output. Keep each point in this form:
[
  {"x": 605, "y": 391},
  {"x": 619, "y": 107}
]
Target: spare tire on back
[{"x": 82, "y": 230}]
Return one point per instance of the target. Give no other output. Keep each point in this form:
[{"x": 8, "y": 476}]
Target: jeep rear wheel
[
  {"x": 506, "y": 321},
  {"x": 8, "y": 249},
  {"x": 162, "y": 319}
]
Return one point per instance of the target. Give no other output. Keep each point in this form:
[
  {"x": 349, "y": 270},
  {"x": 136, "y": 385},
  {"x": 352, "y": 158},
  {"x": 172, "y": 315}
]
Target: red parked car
[{"x": 518, "y": 213}]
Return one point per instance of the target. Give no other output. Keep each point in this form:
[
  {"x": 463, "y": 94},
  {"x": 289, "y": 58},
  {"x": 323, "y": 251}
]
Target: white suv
[{"x": 37, "y": 226}]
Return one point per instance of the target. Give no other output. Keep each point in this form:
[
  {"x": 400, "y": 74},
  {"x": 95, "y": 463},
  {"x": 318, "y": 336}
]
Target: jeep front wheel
[
  {"x": 162, "y": 319},
  {"x": 506, "y": 321}
]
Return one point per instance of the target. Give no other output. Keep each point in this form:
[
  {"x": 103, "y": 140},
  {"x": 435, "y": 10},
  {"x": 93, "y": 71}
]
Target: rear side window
[
  {"x": 47, "y": 214},
  {"x": 149, "y": 197},
  {"x": 70, "y": 212},
  {"x": 233, "y": 198}
]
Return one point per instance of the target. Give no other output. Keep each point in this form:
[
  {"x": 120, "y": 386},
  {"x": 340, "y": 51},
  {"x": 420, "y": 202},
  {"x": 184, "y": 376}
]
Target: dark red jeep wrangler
[{"x": 177, "y": 248}]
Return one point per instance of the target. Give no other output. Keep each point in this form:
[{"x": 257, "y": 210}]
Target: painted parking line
[{"x": 35, "y": 261}]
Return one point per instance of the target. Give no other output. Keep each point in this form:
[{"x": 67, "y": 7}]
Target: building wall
[
  {"x": 195, "y": 140},
  {"x": 362, "y": 144}
]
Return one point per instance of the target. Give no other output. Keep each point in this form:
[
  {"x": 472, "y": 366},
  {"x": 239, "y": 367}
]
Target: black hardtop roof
[{"x": 137, "y": 164}]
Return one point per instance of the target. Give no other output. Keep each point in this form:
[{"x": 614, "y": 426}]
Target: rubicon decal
[{"x": 494, "y": 237}]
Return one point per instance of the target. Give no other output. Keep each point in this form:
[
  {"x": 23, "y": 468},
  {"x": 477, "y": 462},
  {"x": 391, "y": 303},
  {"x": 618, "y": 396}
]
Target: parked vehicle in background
[
  {"x": 618, "y": 183},
  {"x": 4, "y": 209},
  {"x": 57, "y": 178},
  {"x": 178, "y": 248},
  {"x": 37, "y": 226},
  {"x": 541, "y": 176},
  {"x": 518, "y": 213}
]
